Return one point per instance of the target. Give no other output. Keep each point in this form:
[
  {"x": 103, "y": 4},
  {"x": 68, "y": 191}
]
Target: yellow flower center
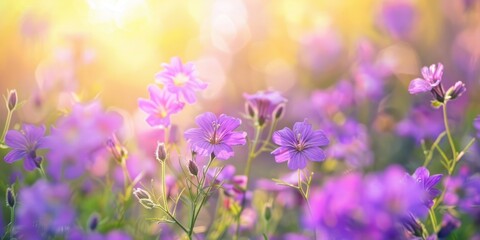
[{"x": 180, "y": 79}]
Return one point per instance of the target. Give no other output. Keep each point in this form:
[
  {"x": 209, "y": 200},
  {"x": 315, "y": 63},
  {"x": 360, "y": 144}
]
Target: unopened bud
[
  {"x": 268, "y": 212},
  {"x": 12, "y": 100},
  {"x": 192, "y": 168},
  {"x": 119, "y": 152},
  {"x": 456, "y": 90},
  {"x": 93, "y": 222},
  {"x": 10, "y": 197},
  {"x": 279, "y": 112},
  {"x": 249, "y": 110},
  {"x": 161, "y": 152},
  {"x": 144, "y": 198}
]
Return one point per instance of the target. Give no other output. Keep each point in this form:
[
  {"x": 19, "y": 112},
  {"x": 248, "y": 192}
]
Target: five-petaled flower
[
  {"x": 299, "y": 145},
  {"x": 24, "y": 144},
  {"x": 215, "y": 136},
  {"x": 180, "y": 79},
  {"x": 160, "y": 106}
]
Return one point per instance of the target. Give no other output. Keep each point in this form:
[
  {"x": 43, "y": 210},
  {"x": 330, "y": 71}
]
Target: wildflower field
[{"x": 240, "y": 119}]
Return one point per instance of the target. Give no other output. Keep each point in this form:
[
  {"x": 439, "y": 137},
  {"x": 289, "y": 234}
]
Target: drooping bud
[
  {"x": 192, "y": 168},
  {"x": 144, "y": 198},
  {"x": 456, "y": 90},
  {"x": 279, "y": 112},
  {"x": 10, "y": 197},
  {"x": 12, "y": 100},
  {"x": 161, "y": 152},
  {"x": 93, "y": 222}
]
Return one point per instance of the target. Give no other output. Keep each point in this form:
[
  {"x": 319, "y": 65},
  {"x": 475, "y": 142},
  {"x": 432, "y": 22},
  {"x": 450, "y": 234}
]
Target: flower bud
[
  {"x": 12, "y": 100},
  {"x": 267, "y": 214},
  {"x": 144, "y": 198},
  {"x": 10, "y": 197},
  {"x": 449, "y": 224},
  {"x": 93, "y": 222},
  {"x": 161, "y": 152},
  {"x": 456, "y": 90},
  {"x": 119, "y": 152},
  {"x": 192, "y": 168}
]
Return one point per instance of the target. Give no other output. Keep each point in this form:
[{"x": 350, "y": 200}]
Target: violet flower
[
  {"x": 431, "y": 82},
  {"x": 44, "y": 211},
  {"x": 372, "y": 207},
  {"x": 427, "y": 182},
  {"x": 215, "y": 136},
  {"x": 299, "y": 145},
  {"x": 24, "y": 144},
  {"x": 264, "y": 106},
  {"x": 160, "y": 106},
  {"x": 180, "y": 79},
  {"x": 78, "y": 138}
]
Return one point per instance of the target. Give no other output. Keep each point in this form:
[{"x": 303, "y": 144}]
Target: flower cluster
[{"x": 178, "y": 83}]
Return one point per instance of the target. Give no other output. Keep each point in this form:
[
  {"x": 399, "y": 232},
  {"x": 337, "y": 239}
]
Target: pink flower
[
  {"x": 180, "y": 80},
  {"x": 160, "y": 106}
]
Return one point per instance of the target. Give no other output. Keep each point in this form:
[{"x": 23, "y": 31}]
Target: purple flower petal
[
  {"x": 15, "y": 139},
  {"x": 419, "y": 85},
  {"x": 14, "y": 155},
  {"x": 282, "y": 154},
  {"x": 315, "y": 154},
  {"x": 298, "y": 161}
]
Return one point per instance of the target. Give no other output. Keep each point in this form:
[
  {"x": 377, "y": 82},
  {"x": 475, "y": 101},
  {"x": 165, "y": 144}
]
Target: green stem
[
  {"x": 10, "y": 225},
  {"x": 195, "y": 209},
  {"x": 433, "y": 219},
  {"x": 164, "y": 186},
  {"x": 429, "y": 156},
  {"x": 7, "y": 125},
  {"x": 251, "y": 155},
  {"x": 449, "y": 134}
]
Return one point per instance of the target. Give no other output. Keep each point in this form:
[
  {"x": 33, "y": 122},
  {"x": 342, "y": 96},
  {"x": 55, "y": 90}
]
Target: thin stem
[
  {"x": 429, "y": 156},
  {"x": 10, "y": 225},
  {"x": 164, "y": 186},
  {"x": 433, "y": 219},
  {"x": 251, "y": 155},
  {"x": 7, "y": 125},
  {"x": 449, "y": 134},
  {"x": 42, "y": 171}
]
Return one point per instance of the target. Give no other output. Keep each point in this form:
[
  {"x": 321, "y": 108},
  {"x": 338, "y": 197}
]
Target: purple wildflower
[
  {"x": 180, "y": 79},
  {"x": 370, "y": 207},
  {"x": 78, "y": 137},
  {"x": 160, "y": 106},
  {"x": 215, "y": 136},
  {"x": 24, "y": 144},
  {"x": 79, "y": 234},
  {"x": 299, "y": 145},
  {"x": 427, "y": 182},
  {"x": 431, "y": 82},
  {"x": 44, "y": 211},
  {"x": 351, "y": 143},
  {"x": 264, "y": 106}
]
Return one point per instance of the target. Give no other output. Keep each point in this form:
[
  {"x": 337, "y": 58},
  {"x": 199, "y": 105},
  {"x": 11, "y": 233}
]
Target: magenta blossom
[
  {"x": 160, "y": 106},
  {"x": 180, "y": 79},
  {"x": 215, "y": 135},
  {"x": 299, "y": 145},
  {"x": 263, "y": 106},
  {"x": 24, "y": 144},
  {"x": 432, "y": 77}
]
